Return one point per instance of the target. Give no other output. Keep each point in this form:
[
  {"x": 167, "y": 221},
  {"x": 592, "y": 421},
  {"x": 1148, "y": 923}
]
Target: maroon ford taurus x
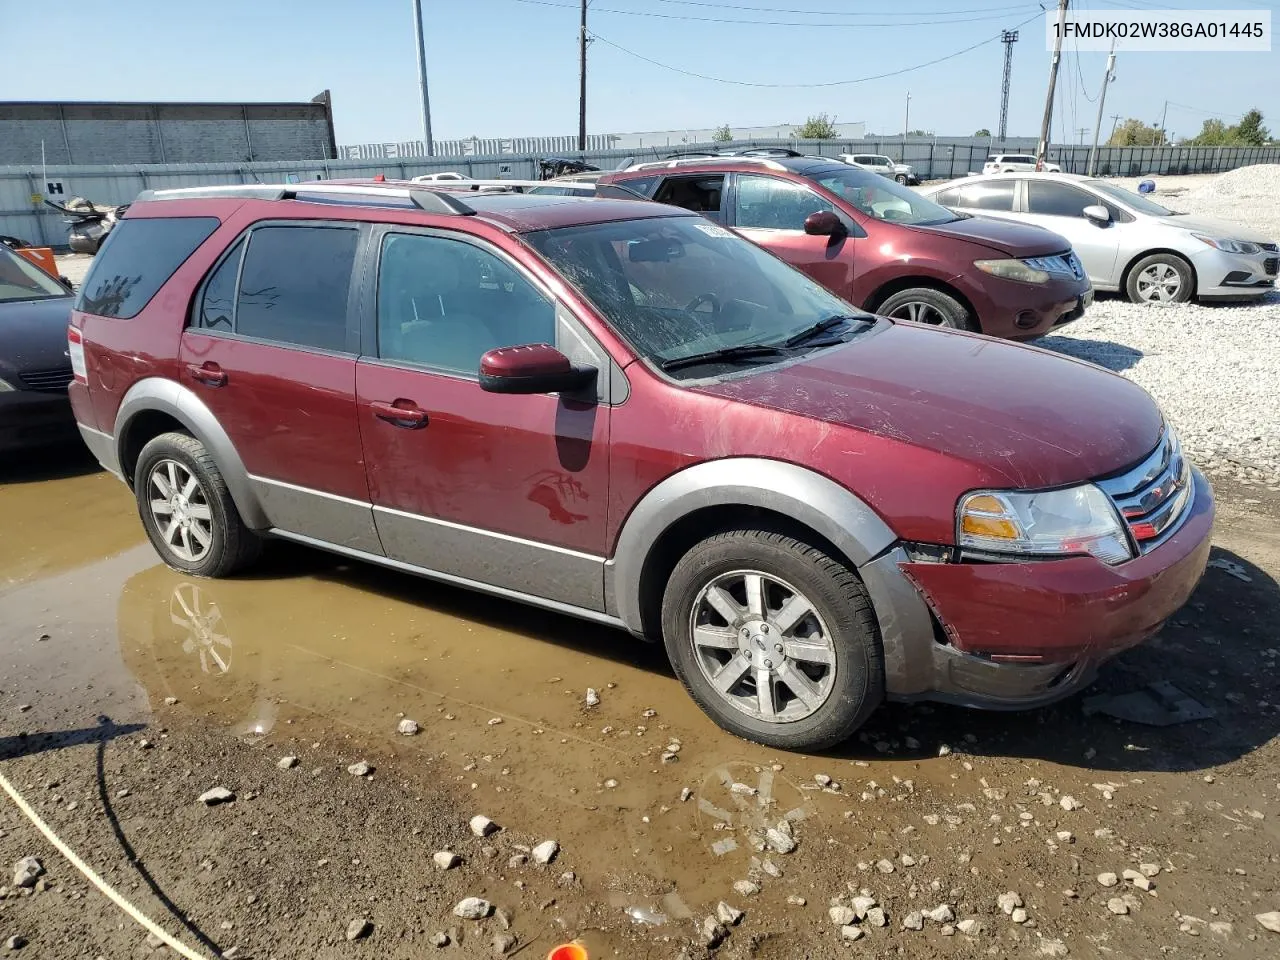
[{"x": 625, "y": 412}]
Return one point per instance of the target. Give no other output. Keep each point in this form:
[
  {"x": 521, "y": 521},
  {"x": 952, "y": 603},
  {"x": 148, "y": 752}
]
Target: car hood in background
[
  {"x": 1003, "y": 236},
  {"x": 1038, "y": 418},
  {"x": 33, "y": 334},
  {"x": 1218, "y": 229}
]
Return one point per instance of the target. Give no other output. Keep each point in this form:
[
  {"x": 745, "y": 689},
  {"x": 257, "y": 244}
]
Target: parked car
[
  {"x": 624, "y": 412},
  {"x": 1127, "y": 242},
  {"x": 881, "y": 245},
  {"x": 550, "y": 168},
  {"x": 34, "y": 364},
  {"x": 902, "y": 172},
  {"x": 438, "y": 177},
  {"x": 1015, "y": 162}
]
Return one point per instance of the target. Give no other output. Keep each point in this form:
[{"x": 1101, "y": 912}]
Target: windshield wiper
[
  {"x": 744, "y": 351},
  {"x": 822, "y": 326}
]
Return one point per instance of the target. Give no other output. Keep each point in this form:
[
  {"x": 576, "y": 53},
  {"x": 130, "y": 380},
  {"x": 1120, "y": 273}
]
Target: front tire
[
  {"x": 775, "y": 640},
  {"x": 1160, "y": 278},
  {"x": 901, "y": 178},
  {"x": 187, "y": 510},
  {"x": 926, "y": 305}
]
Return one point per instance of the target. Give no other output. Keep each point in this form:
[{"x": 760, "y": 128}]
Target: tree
[
  {"x": 1249, "y": 132},
  {"x": 984, "y": 132},
  {"x": 1213, "y": 133},
  {"x": 1250, "y": 129},
  {"x": 1135, "y": 133},
  {"x": 819, "y": 126},
  {"x": 919, "y": 133},
  {"x": 722, "y": 135}
]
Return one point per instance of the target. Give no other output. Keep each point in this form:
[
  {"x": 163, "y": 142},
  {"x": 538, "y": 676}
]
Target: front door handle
[
  {"x": 208, "y": 373},
  {"x": 400, "y": 413}
]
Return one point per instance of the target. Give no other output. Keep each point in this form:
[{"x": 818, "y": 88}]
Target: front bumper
[
  {"x": 1234, "y": 276},
  {"x": 1025, "y": 311},
  {"x": 32, "y": 418},
  {"x": 1017, "y": 635}
]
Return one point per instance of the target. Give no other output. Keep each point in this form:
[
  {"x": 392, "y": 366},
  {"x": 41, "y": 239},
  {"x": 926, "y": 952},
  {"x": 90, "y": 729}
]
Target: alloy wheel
[
  {"x": 180, "y": 509},
  {"x": 1159, "y": 282},
  {"x": 920, "y": 312},
  {"x": 762, "y": 646}
]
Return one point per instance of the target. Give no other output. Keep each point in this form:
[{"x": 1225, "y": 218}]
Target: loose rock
[
  {"x": 1008, "y": 902},
  {"x": 482, "y": 826},
  {"x": 727, "y": 914},
  {"x": 861, "y": 905},
  {"x": 941, "y": 914},
  {"x": 287, "y": 763},
  {"x": 473, "y": 908},
  {"x": 841, "y": 916},
  {"x": 851, "y": 933},
  {"x": 747, "y": 888},
  {"x": 1139, "y": 880},
  {"x": 211, "y": 798},
  {"x": 446, "y": 859},
  {"x": 779, "y": 842},
  {"x": 1070, "y": 803},
  {"x": 546, "y": 851},
  {"x": 441, "y": 939},
  {"x": 970, "y": 926},
  {"x": 1117, "y": 906},
  {"x": 877, "y": 917},
  {"x": 593, "y": 698},
  {"x": 885, "y": 866},
  {"x": 503, "y": 944},
  {"x": 1019, "y": 915},
  {"x": 359, "y": 928},
  {"x": 27, "y": 871},
  {"x": 713, "y": 932},
  {"x": 360, "y": 768},
  {"x": 1108, "y": 879},
  {"x": 407, "y": 727},
  {"x": 16, "y": 942},
  {"x": 1270, "y": 920},
  {"x": 913, "y": 921}
]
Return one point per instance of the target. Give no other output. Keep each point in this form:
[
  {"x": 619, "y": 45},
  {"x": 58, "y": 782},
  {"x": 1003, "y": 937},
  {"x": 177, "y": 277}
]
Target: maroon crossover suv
[
  {"x": 625, "y": 412},
  {"x": 881, "y": 245}
]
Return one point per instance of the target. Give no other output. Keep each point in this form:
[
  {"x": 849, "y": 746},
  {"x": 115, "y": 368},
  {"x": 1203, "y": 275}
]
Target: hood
[
  {"x": 33, "y": 334},
  {"x": 1218, "y": 229},
  {"x": 1003, "y": 236},
  {"x": 1037, "y": 418}
]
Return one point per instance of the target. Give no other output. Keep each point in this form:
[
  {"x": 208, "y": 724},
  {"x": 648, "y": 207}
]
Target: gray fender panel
[
  {"x": 785, "y": 488},
  {"x": 177, "y": 401},
  {"x": 906, "y": 626}
]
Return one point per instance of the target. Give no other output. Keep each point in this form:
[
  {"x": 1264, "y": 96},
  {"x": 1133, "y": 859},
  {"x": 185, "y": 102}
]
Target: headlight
[
  {"x": 1048, "y": 523},
  {"x": 1012, "y": 270},
  {"x": 1230, "y": 246},
  {"x": 6, "y": 386}
]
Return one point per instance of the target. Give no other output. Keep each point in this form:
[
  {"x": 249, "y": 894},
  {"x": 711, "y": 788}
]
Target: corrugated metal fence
[{"x": 22, "y": 214}]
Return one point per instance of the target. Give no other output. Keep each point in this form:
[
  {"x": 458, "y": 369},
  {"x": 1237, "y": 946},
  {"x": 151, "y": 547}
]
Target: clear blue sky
[{"x": 509, "y": 67}]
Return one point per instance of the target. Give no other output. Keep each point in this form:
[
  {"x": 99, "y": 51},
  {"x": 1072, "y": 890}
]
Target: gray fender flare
[
  {"x": 785, "y": 488},
  {"x": 168, "y": 397}
]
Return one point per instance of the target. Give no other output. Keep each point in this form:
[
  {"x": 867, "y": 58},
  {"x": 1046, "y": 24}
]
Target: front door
[
  {"x": 271, "y": 351},
  {"x": 1059, "y": 207},
  {"x": 770, "y": 211},
  {"x": 508, "y": 491}
]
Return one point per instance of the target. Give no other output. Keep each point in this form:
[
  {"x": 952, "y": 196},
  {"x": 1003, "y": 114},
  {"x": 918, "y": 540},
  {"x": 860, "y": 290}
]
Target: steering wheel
[{"x": 700, "y": 299}]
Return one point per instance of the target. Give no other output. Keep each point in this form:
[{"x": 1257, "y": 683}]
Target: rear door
[
  {"x": 271, "y": 350},
  {"x": 770, "y": 211},
  {"x": 1059, "y": 207}
]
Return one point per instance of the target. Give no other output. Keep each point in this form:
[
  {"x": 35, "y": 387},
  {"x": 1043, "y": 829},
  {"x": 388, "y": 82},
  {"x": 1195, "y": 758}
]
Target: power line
[
  {"x": 780, "y": 23},
  {"x": 830, "y": 13},
  {"x": 803, "y": 86}
]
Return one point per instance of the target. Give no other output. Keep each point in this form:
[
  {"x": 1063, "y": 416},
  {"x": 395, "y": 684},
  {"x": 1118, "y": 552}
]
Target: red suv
[
  {"x": 881, "y": 245},
  {"x": 624, "y": 412}
]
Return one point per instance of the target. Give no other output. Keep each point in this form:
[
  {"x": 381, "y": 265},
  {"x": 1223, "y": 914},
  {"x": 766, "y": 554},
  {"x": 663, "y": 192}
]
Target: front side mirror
[
  {"x": 823, "y": 223},
  {"x": 532, "y": 368},
  {"x": 1097, "y": 213}
]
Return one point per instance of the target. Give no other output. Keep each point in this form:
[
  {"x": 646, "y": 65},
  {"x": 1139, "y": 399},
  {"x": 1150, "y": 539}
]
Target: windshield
[
  {"x": 1134, "y": 201},
  {"x": 679, "y": 286},
  {"x": 882, "y": 199},
  {"x": 20, "y": 279}
]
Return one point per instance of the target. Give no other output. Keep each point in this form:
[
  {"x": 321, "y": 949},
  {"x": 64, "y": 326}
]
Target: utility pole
[
  {"x": 1107, "y": 77},
  {"x": 582, "y": 79},
  {"x": 1115, "y": 122},
  {"x": 1042, "y": 149},
  {"x": 422, "y": 78},
  {"x": 1164, "y": 115},
  {"x": 1008, "y": 38},
  {"x": 1080, "y": 132},
  {"x": 906, "y": 119}
]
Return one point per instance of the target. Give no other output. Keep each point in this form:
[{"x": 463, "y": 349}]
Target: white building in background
[{"x": 678, "y": 138}]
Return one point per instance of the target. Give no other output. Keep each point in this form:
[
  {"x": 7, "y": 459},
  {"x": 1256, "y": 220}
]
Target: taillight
[{"x": 75, "y": 350}]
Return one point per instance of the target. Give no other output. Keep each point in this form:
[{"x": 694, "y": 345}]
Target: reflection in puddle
[{"x": 190, "y": 610}]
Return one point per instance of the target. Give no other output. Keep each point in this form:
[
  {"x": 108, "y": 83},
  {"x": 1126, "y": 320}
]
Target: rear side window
[
  {"x": 293, "y": 287},
  {"x": 993, "y": 195},
  {"x": 642, "y": 185},
  {"x": 137, "y": 260}
]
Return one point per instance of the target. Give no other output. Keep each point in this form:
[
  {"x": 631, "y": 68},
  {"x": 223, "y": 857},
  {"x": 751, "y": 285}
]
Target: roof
[
  {"x": 517, "y": 212},
  {"x": 1012, "y": 175},
  {"x": 802, "y": 166}
]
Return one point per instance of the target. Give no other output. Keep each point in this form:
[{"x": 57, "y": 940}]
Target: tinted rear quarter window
[{"x": 138, "y": 258}]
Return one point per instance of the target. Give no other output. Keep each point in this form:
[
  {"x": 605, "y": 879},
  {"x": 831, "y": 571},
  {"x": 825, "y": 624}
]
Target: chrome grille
[
  {"x": 47, "y": 381},
  {"x": 1153, "y": 497},
  {"x": 1063, "y": 265}
]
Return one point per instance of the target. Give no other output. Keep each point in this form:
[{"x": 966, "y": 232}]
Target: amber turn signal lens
[{"x": 980, "y": 526}]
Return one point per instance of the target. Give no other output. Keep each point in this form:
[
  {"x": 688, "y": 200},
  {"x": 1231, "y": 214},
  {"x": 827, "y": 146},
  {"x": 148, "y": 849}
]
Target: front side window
[
  {"x": 1135, "y": 201},
  {"x": 444, "y": 303},
  {"x": 137, "y": 259},
  {"x": 994, "y": 195},
  {"x": 676, "y": 287},
  {"x": 1048, "y": 198},
  {"x": 294, "y": 283},
  {"x": 881, "y": 198},
  {"x": 771, "y": 203},
  {"x": 20, "y": 279}
]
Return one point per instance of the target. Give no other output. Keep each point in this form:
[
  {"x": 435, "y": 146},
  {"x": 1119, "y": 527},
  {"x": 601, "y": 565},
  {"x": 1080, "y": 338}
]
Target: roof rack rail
[
  {"x": 689, "y": 161},
  {"x": 420, "y": 195}
]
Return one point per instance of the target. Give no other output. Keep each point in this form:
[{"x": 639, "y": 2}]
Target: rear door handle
[
  {"x": 208, "y": 373},
  {"x": 400, "y": 413}
]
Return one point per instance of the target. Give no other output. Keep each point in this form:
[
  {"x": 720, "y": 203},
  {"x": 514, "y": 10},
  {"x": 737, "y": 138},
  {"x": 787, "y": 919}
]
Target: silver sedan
[{"x": 1127, "y": 242}]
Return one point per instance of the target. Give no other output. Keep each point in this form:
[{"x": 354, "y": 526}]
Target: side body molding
[
  {"x": 785, "y": 488},
  {"x": 166, "y": 396}
]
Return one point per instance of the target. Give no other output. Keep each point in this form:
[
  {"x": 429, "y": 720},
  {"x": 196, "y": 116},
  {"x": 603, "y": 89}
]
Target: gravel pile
[{"x": 1215, "y": 369}]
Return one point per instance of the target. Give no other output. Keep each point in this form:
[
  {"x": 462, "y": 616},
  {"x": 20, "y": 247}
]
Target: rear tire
[
  {"x": 187, "y": 510},
  {"x": 829, "y": 675},
  {"x": 1161, "y": 278},
  {"x": 926, "y": 305}
]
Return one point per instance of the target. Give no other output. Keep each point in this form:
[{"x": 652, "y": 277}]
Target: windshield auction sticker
[{"x": 1234, "y": 31}]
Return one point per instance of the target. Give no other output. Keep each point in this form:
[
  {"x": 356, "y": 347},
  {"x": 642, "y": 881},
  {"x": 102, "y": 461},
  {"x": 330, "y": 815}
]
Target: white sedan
[{"x": 1127, "y": 242}]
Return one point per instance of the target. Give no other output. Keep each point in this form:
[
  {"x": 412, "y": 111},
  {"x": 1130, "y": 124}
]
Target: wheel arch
[
  {"x": 155, "y": 406},
  {"x": 898, "y": 284},
  {"x": 709, "y": 496},
  {"x": 1170, "y": 251}
]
